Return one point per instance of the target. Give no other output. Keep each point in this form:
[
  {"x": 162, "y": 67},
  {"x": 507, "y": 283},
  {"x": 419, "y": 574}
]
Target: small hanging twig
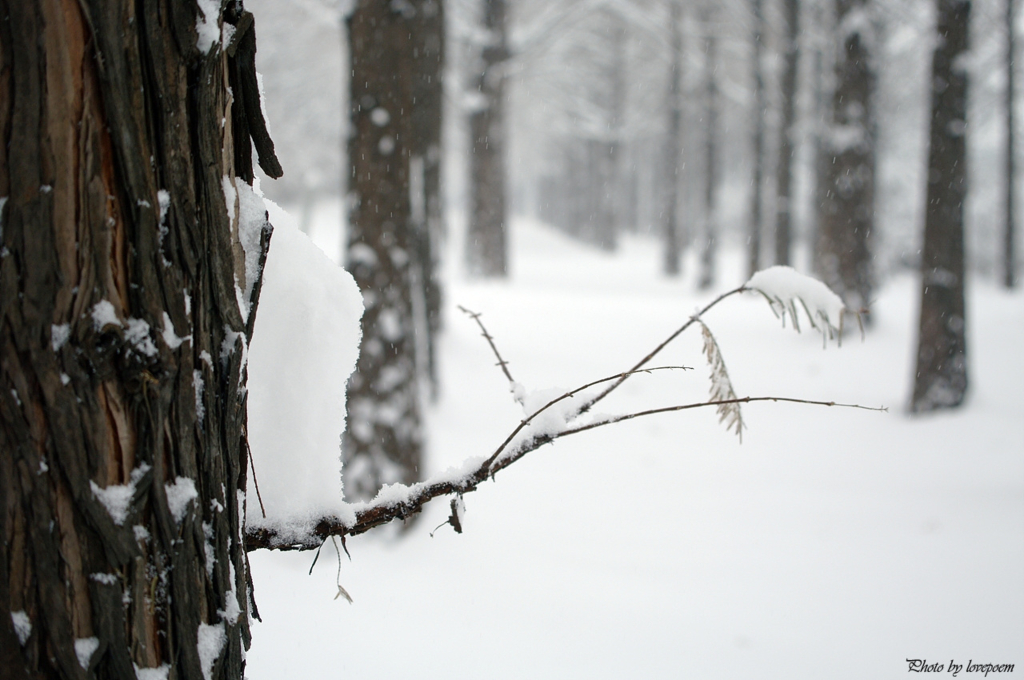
[
  {"x": 317, "y": 556},
  {"x": 248, "y": 452},
  {"x": 455, "y": 519},
  {"x": 341, "y": 589}
]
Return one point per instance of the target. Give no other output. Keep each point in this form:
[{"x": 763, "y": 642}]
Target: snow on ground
[{"x": 831, "y": 543}]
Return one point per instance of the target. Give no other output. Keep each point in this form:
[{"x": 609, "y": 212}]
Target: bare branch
[
  {"x": 411, "y": 500},
  {"x": 684, "y": 407},
  {"x": 643, "y": 362},
  {"x": 567, "y": 395},
  {"x": 372, "y": 515},
  {"x": 475, "y": 316}
]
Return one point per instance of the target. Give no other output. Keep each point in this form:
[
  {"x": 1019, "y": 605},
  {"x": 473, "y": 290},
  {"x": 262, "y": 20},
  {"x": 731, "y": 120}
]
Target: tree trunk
[
  {"x": 125, "y": 311},
  {"x": 1009, "y": 248},
  {"x": 757, "y": 182},
  {"x": 709, "y": 247},
  {"x": 843, "y": 252},
  {"x": 941, "y": 377},
  {"x": 382, "y": 443},
  {"x": 425, "y": 166},
  {"x": 608, "y": 165},
  {"x": 672, "y": 264},
  {"x": 787, "y": 135},
  {"x": 824, "y": 22},
  {"x": 486, "y": 247}
]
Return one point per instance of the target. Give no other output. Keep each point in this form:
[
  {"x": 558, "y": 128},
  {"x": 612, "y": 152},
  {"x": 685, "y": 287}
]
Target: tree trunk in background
[
  {"x": 425, "y": 180},
  {"x": 608, "y": 175},
  {"x": 787, "y": 134},
  {"x": 824, "y": 22},
  {"x": 383, "y": 440},
  {"x": 843, "y": 252},
  {"x": 672, "y": 263},
  {"x": 941, "y": 377},
  {"x": 486, "y": 242},
  {"x": 709, "y": 246},
  {"x": 1009, "y": 248},
  {"x": 754, "y": 228},
  {"x": 122, "y": 341}
]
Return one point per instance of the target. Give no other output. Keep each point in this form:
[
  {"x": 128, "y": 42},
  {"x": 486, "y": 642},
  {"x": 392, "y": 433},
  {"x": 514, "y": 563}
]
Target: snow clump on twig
[{"x": 784, "y": 286}]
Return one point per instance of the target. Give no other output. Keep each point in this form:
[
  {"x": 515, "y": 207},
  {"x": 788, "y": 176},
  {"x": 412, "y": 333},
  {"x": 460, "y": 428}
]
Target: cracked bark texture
[{"x": 122, "y": 345}]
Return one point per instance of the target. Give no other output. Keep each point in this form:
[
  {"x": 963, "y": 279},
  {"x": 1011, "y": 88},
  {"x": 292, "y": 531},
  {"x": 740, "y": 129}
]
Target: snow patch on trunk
[
  {"x": 84, "y": 649},
  {"x": 207, "y": 30},
  {"x": 22, "y": 626},
  {"x": 209, "y": 642},
  {"x": 117, "y": 498},
  {"x": 179, "y": 494}
]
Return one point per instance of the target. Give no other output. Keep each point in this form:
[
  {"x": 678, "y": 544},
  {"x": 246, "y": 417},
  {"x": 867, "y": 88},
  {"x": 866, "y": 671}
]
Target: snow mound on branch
[
  {"x": 784, "y": 286},
  {"x": 552, "y": 419},
  {"x": 304, "y": 347}
]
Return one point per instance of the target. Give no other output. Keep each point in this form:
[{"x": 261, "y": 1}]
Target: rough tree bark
[
  {"x": 1009, "y": 227},
  {"x": 486, "y": 247},
  {"x": 787, "y": 134},
  {"x": 672, "y": 263},
  {"x": 710, "y": 244},
  {"x": 846, "y": 217},
  {"x": 425, "y": 174},
  {"x": 383, "y": 440},
  {"x": 760, "y": 106},
  {"x": 123, "y": 335},
  {"x": 941, "y": 377}
]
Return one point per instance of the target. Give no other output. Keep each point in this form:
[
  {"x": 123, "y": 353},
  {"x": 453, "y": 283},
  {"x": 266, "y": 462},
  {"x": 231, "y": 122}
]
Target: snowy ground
[{"x": 831, "y": 543}]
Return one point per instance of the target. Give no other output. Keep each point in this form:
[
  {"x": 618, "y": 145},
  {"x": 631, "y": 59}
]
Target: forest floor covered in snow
[{"x": 831, "y": 543}]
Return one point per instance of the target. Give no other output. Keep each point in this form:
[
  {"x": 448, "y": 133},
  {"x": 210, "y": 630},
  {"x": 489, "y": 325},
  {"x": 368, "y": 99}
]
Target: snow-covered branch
[{"x": 551, "y": 416}]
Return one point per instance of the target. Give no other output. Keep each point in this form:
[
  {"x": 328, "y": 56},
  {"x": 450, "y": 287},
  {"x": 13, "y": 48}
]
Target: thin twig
[
  {"x": 341, "y": 589},
  {"x": 475, "y": 316},
  {"x": 590, "y": 404},
  {"x": 567, "y": 395},
  {"x": 252, "y": 467},
  {"x": 684, "y": 407}
]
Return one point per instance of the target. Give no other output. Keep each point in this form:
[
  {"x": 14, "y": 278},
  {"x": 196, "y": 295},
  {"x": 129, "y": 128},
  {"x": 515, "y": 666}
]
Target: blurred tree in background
[
  {"x": 486, "y": 240},
  {"x": 846, "y": 216},
  {"x": 941, "y": 377},
  {"x": 383, "y": 440}
]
